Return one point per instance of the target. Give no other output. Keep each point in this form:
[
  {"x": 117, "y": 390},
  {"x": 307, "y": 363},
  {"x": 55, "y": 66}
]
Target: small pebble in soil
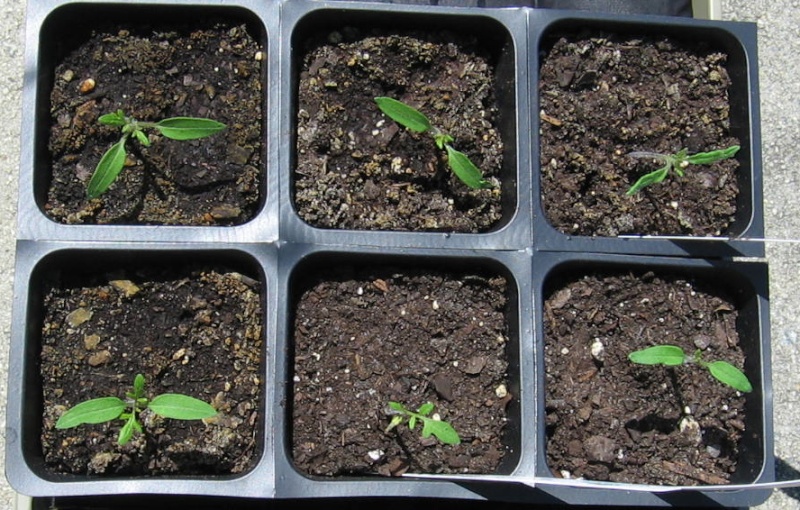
[
  {"x": 691, "y": 429},
  {"x": 702, "y": 341},
  {"x": 127, "y": 287},
  {"x": 598, "y": 350},
  {"x": 90, "y": 342},
  {"x": 78, "y": 317},
  {"x": 99, "y": 358},
  {"x": 87, "y": 85}
]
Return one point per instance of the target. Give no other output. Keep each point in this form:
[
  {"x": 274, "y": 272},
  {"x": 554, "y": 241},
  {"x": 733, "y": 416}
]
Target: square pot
[
  {"x": 52, "y": 35},
  {"x": 301, "y": 268},
  {"x": 743, "y": 287},
  {"x": 58, "y": 272},
  {"x": 500, "y": 34},
  {"x": 742, "y": 121}
]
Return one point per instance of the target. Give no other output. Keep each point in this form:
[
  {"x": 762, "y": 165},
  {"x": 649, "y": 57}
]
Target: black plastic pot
[
  {"x": 745, "y": 283},
  {"x": 300, "y": 261},
  {"x": 38, "y": 264},
  {"x": 738, "y": 40},
  {"x": 51, "y": 33},
  {"x": 281, "y": 247},
  {"x": 503, "y": 33}
]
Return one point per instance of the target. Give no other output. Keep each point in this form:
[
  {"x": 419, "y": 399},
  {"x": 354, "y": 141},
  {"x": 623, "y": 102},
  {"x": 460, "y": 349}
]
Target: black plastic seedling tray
[{"x": 280, "y": 249}]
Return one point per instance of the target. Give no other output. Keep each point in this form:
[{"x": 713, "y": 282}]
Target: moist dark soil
[
  {"x": 196, "y": 332},
  {"x": 358, "y": 169},
  {"x": 610, "y": 419},
  {"x": 372, "y": 336},
  {"x": 604, "y": 96},
  {"x": 214, "y": 71}
]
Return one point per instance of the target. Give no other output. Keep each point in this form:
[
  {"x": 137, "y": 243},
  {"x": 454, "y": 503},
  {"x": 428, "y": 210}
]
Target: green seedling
[
  {"x": 677, "y": 162},
  {"x": 416, "y": 121},
  {"x": 671, "y": 355},
  {"x": 167, "y": 405},
  {"x": 112, "y": 162},
  {"x": 443, "y": 431}
]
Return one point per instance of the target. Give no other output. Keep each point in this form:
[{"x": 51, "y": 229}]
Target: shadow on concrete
[{"x": 784, "y": 471}]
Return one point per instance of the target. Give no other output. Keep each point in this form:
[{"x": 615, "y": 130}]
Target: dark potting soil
[
  {"x": 358, "y": 169},
  {"x": 364, "y": 338},
  {"x": 194, "y": 332},
  {"x": 610, "y": 419},
  {"x": 213, "y": 72},
  {"x": 604, "y": 96}
]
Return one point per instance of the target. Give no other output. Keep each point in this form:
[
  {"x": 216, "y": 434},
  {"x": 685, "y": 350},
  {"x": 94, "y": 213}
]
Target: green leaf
[
  {"x": 397, "y": 406},
  {"x": 98, "y": 410},
  {"x": 188, "y": 128},
  {"x": 706, "y": 158},
  {"x": 403, "y": 114},
  {"x": 397, "y": 420},
  {"x": 412, "y": 422},
  {"x": 730, "y": 375},
  {"x": 443, "y": 431},
  {"x": 139, "y": 134},
  {"x": 442, "y": 140},
  {"x": 425, "y": 409},
  {"x": 669, "y": 355},
  {"x": 465, "y": 170},
  {"x": 108, "y": 169},
  {"x": 648, "y": 179},
  {"x": 113, "y": 119},
  {"x": 138, "y": 386},
  {"x": 181, "y": 407},
  {"x": 126, "y": 433}
]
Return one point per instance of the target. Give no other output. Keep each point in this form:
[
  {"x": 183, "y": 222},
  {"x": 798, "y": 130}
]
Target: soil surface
[
  {"x": 610, "y": 419},
  {"x": 373, "y": 336},
  {"x": 214, "y": 71},
  {"x": 358, "y": 169},
  {"x": 604, "y": 96},
  {"x": 194, "y": 332}
]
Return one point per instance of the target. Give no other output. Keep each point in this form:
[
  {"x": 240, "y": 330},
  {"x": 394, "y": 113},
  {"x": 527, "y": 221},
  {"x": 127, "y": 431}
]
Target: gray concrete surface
[
  {"x": 779, "y": 58},
  {"x": 11, "y": 36}
]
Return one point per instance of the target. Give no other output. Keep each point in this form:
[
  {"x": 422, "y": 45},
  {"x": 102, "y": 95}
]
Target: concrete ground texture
[{"x": 779, "y": 60}]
